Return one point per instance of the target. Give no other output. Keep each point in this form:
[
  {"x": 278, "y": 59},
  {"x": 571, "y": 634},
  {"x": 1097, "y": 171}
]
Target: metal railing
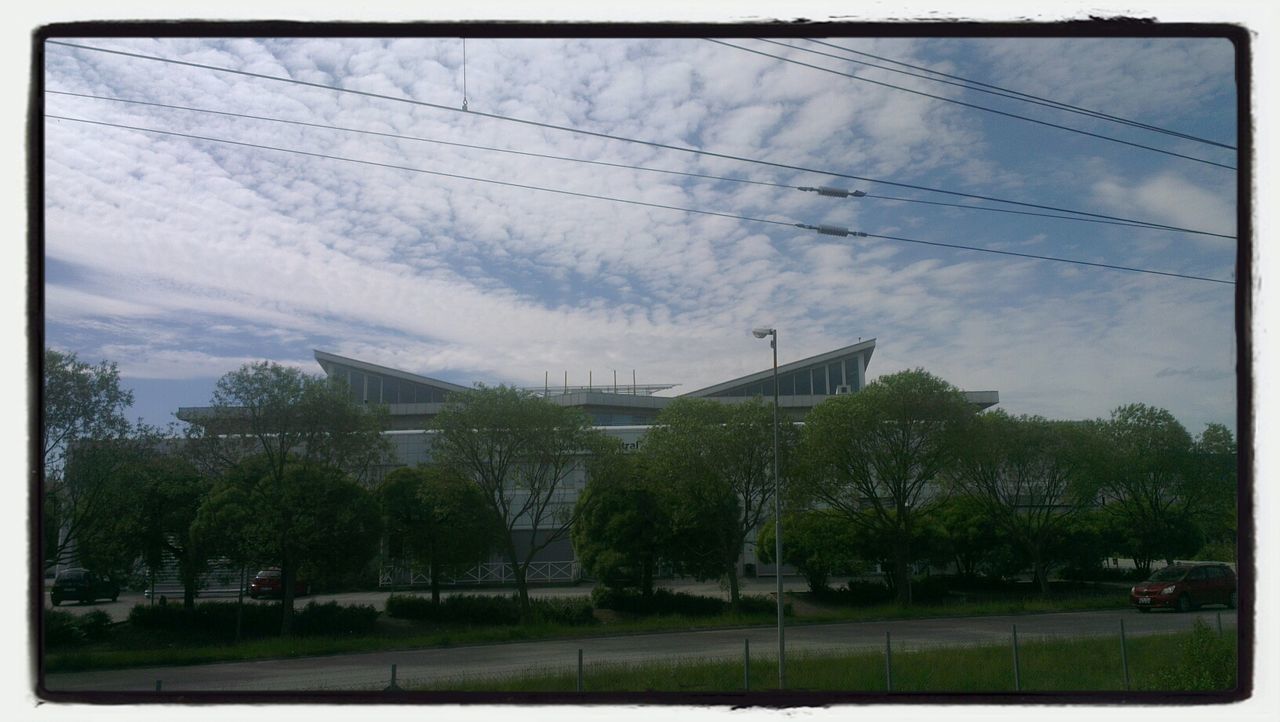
[{"x": 480, "y": 574}]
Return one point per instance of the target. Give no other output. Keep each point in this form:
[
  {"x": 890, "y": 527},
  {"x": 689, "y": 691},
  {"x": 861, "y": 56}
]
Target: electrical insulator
[{"x": 833, "y": 192}]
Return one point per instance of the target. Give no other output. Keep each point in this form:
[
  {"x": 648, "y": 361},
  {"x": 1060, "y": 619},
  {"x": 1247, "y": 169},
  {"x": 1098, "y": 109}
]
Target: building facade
[{"x": 623, "y": 411}]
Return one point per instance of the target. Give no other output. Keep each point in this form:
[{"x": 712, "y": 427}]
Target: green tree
[
  {"x": 622, "y": 523},
  {"x": 165, "y": 495},
  {"x": 1216, "y": 455},
  {"x": 969, "y": 538},
  {"x": 878, "y": 454},
  {"x": 224, "y": 525},
  {"x": 312, "y": 517},
  {"x": 435, "y": 517},
  {"x": 715, "y": 464},
  {"x": 293, "y": 426},
  {"x": 83, "y": 409},
  {"x": 1026, "y": 474},
  {"x": 286, "y": 416},
  {"x": 522, "y": 452},
  {"x": 1149, "y": 478},
  {"x": 819, "y": 544}
]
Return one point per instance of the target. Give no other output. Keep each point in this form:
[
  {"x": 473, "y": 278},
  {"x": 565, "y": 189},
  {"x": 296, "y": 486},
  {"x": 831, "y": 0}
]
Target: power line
[
  {"x": 974, "y": 106},
  {"x": 420, "y": 139},
  {"x": 597, "y": 134},
  {"x": 997, "y": 90},
  {"x": 532, "y": 154},
  {"x": 828, "y": 230},
  {"x": 1051, "y": 258}
]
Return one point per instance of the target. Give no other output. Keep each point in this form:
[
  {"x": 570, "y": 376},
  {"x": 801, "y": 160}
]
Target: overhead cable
[
  {"x": 597, "y": 134},
  {"x": 996, "y": 90},
  {"x": 975, "y": 106},
  {"x": 823, "y": 190},
  {"x": 823, "y": 229}
]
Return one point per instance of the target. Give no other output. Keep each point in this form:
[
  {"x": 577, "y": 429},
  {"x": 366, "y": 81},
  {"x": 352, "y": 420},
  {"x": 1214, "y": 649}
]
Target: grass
[
  {"x": 132, "y": 648},
  {"x": 1156, "y": 663}
]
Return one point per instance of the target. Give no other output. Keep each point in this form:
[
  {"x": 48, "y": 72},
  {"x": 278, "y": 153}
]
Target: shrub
[
  {"x": 564, "y": 610},
  {"x": 929, "y": 589},
  {"x": 1207, "y": 662},
  {"x": 95, "y": 625},
  {"x": 61, "y": 630},
  {"x": 456, "y": 609},
  {"x": 856, "y": 593},
  {"x": 761, "y": 604},
  {"x": 331, "y": 618},
  {"x": 208, "y": 620},
  {"x": 660, "y": 602}
]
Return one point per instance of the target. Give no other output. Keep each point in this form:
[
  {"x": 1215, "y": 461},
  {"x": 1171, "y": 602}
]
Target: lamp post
[{"x": 772, "y": 333}]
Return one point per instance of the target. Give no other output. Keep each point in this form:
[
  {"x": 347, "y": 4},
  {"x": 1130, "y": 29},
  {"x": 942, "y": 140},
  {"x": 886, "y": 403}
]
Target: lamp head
[{"x": 762, "y": 332}]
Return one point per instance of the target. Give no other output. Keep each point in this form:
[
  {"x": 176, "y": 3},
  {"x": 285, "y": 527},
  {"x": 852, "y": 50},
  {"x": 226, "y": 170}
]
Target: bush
[
  {"x": 929, "y": 589},
  {"x": 209, "y": 620},
  {"x": 760, "y": 604},
  {"x": 1207, "y": 662},
  {"x": 564, "y": 610},
  {"x": 61, "y": 629},
  {"x": 95, "y": 625},
  {"x": 455, "y": 609},
  {"x": 661, "y": 601},
  {"x": 331, "y": 618},
  {"x": 859, "y": 594}
]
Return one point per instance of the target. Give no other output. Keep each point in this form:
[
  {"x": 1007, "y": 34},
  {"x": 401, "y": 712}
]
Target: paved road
[{"x": 372, "y": 670}]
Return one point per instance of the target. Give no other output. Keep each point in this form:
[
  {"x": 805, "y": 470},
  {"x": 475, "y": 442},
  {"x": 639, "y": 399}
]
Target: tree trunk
[
  {"x": 734, "y": 597},
  {"x": 902, "y": 573},
  {"x": 522, "y": 587},
  {"x": 435, "y": 584},
  {"x": 240, "y": 605},
  {"x": 287, "y": 574},
  {"x": 1042, "y": 573},
  {"x": 646, "y": 579},
  {"x": 189, "y": 582}
]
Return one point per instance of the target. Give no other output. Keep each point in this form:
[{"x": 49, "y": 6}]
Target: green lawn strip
[
  {"x": 145, "y": 651},
  {"x": 1156, "y": 663}
]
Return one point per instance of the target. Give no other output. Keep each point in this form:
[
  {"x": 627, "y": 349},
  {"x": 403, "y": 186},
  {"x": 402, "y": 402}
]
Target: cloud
[{"x": 184, "y": 255}]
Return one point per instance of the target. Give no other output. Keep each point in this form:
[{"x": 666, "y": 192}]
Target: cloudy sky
[{"x": 182, "y": 258}]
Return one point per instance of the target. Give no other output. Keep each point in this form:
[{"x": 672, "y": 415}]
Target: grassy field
[
  {"x": 1195, "y": 661},
  {"x": 132, "y": 648}
]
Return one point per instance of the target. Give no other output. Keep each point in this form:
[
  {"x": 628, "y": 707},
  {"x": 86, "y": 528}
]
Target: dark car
[
  {"x": 266, "y": 583},
  {"x": 1186, "y": 586},
  {"x": 83, "y": 586}
]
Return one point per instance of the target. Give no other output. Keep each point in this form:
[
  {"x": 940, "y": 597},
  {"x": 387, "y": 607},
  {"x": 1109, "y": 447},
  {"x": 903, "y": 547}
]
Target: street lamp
[{"x": 772, "y": 333}]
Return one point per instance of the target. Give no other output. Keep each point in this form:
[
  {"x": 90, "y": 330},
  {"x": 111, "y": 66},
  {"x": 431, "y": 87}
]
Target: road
[{"x": 371, "y": 671}]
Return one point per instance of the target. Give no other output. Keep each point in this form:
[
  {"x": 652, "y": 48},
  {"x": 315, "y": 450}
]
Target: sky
[{"x": 181, "y": 259}]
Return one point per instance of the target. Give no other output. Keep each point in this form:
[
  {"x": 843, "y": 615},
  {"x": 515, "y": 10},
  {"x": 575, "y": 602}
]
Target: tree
[
  {"x": 287, "y": 416},
  {"x": 876, "y": 457},
  {"x": 521, "y": 451},
  {"x": 294, "y": 427},
  {"x": 1149, "y": 479},
  {"x": 715, "y": 464},
  {"x": 1025, "y": 473},
  {"x": 165, "y": 495},
  {"x": 436, "y": 517},
  {"x": 80, "y": 402},
  {"x": 83, "y": 410},
  {"x": 819, "y": 543},
  {"x": 622, "y": 525},
  {"x": 1216, "y": 455},
  {"x": 969, "y": 538},
  {"x": 313, "y": 516}
]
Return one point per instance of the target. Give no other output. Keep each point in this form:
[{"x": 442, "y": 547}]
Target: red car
[
  {"x": 1186, "y": 586},
  {"x": 266, "y": 583}
]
